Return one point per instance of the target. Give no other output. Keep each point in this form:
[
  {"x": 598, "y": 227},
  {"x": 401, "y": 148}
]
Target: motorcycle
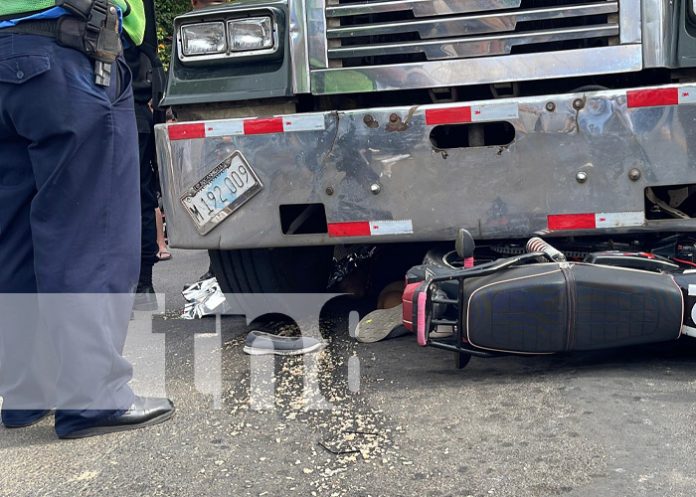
[{"x": 542, "y": 302}]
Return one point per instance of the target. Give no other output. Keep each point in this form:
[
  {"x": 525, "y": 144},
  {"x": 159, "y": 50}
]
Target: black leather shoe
[
  {"x": 145, "y": 299},
  {"x": 145, "y": 411},
  {"x": 21, "y": 418}
]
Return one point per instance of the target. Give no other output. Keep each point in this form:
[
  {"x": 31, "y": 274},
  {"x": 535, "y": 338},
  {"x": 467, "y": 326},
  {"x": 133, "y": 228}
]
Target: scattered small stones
[{"x": 313, "y": 391}]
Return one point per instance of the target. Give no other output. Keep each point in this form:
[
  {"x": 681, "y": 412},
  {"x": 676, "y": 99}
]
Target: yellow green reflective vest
[{"x": 133, "y": 23}]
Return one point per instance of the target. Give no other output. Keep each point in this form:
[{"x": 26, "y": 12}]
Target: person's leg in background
[
  {"x": 145, "y": 298},
  {"x": 141, "y": 68},
  {"x": 163, "y": 253}
]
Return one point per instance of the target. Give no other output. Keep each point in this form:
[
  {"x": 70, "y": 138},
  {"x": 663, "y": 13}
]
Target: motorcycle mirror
[{"x": 464, "y": 244}]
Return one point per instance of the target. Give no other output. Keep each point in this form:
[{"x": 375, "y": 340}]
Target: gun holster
[{"x": 92, "y": 29}]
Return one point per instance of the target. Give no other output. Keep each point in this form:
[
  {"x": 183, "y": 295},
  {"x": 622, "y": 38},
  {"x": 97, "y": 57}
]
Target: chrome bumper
[{"x": 578, "y": 163}]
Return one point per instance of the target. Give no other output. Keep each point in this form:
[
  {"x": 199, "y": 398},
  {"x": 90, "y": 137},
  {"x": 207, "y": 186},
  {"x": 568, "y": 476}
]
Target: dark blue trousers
[{"x": 69, "y": 227}]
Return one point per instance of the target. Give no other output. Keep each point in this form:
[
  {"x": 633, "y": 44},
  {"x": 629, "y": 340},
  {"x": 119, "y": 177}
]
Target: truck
[{"x": 308, "y": 128}]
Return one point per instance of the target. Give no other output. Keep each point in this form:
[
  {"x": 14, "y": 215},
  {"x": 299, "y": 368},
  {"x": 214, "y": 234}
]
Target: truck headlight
[
  {"x": 206, "y": 38},
  {"x": 251, "y": 34},
  {"x": 220, "y": 37}
]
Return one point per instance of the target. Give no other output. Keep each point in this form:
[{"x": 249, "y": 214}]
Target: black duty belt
[{"x": 47, "y": 27}]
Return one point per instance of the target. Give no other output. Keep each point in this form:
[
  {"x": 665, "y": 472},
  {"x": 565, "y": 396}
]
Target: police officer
[{"x": 69, "y": 216}]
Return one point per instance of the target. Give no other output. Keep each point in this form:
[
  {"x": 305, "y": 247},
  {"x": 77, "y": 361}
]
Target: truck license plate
[{"x": 223, "y": 190}]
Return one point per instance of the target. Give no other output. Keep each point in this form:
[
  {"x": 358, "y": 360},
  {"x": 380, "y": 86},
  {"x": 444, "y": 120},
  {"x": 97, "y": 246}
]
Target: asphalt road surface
[{"x": 403, "y": 421}]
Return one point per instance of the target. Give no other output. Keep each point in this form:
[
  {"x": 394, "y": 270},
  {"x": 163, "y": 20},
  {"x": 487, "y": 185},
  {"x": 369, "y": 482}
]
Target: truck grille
[{"x": 372, "y": 33}]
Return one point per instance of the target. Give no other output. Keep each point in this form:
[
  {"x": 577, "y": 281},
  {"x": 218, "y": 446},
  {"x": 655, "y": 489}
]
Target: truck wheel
[{"x": 277, "y": 270}]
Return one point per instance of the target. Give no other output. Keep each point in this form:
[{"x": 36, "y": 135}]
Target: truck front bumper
[{"x": 578, "y": 163}]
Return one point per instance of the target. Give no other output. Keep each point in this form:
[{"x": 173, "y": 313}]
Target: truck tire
[{"x": 276, "y": 270}]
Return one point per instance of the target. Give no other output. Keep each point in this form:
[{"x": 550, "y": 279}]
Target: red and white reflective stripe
[
  {"x": 661, "y": 96},
  {"x": 371, "y": 228},
  {"x": 472, "y": 114},
  {"x": 589, "y": 221},
  {"x": 222, "y": 128},
  {"x": 237, "y": 127},
  {"x": 187, "y": 131},
  {"x": 263, "y": 126},
  {"x": 687, "y": 95},
  {"x": 304, "y": 122}
]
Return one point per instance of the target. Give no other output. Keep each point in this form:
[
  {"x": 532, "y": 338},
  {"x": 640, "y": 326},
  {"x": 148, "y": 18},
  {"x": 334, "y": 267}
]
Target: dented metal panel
[{"x": 362, "y": 167}]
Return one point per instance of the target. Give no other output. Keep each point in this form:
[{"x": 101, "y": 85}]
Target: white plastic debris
[{"x": 204, "y": 298}]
